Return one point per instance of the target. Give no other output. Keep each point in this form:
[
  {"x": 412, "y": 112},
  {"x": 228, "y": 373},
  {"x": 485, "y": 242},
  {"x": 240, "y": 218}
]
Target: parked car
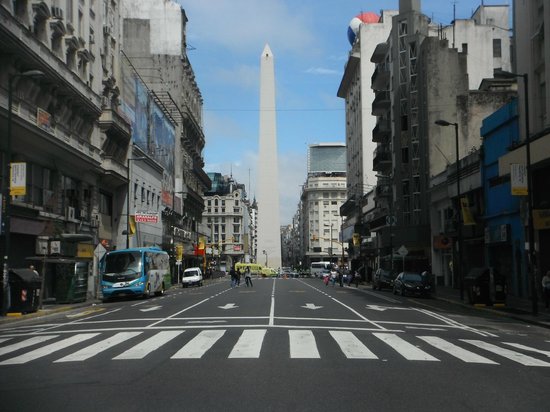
[
  {"x": 412, "y": 283},
  {"x": 191, "y": 276},
  {"x": 383, "y": 278}
]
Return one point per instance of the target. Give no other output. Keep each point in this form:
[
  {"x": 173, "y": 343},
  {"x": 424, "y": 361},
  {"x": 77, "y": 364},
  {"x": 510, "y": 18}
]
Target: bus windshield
[{"x": 124, "y": 266}]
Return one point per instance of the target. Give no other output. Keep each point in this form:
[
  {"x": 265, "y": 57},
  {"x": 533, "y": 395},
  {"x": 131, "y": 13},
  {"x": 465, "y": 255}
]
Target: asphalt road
[{"x": 285, "y": 344}]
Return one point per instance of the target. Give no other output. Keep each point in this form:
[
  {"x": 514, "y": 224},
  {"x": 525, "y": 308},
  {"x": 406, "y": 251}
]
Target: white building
[{"x": 322, "y": 195}]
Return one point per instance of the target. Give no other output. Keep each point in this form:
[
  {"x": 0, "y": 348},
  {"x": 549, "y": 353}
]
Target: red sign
[{"x": 146, "y": 217}]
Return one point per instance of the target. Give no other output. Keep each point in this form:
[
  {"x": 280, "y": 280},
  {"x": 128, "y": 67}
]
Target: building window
[
  {"x": 236, "y": 228},
  {"x": 497, "y": 48},
  {"x": 465, "y": 48}
]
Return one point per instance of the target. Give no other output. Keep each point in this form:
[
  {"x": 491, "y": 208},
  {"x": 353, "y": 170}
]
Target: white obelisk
[{"x": 267, "y": 188}]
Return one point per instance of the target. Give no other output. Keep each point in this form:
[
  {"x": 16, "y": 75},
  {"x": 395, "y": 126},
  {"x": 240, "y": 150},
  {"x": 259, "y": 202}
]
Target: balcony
[
  {"x": 379, "y": 53},
  {"x": 380, "y": 78},
  {"x": 381, "y": 158},
  {"x": 381, "y": 130},
  {"x": 381, "y": 103}
]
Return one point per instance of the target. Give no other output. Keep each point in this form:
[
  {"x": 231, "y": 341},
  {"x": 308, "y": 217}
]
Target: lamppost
[
  {"x": 330, "y": 250},
  {"x": 530, "y": 227},
  {"x": 128, "y": 198},
  {"x": 459, "y": 206},
  {"x": 265, "y": 253},
  {"x": 6, "y": 180}
]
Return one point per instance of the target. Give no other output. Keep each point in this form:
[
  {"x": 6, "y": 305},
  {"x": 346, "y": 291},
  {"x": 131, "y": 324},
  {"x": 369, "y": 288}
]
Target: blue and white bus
[{"x": 134, "y": 272}]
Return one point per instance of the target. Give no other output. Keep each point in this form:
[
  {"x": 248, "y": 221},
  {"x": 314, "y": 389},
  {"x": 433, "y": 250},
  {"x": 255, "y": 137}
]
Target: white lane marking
[
  {"x": 383, "y": 308},
  {"x": 98, "y": 347},
  {"x": 302, "y": 345},
  {"x": 206, "y": 321},
  {"x": 456, "y": 351},
  {"x": 149, "y": 345},
  {"x": 198, "y": 346},
  {"x": 4, "y": 339},
  {"x": 454, "y": 323},
  {"x": 272, "y": 308},
  {"x": 26, "y": 343},
  {"x": 347, "y": 307},
  {"x": 404, "y": 348},
  {"x": 187, "y": 308},
  {"x": 151, "y": 309},
  {"x": 352, "y": 347},
  {"x": 249, "y": 344},
  {"x": 508, "y": 354},
  {"x": 528, "y": 348},
  {"x": 423, "y": 328},
  {"x": 48, "y": 349}
]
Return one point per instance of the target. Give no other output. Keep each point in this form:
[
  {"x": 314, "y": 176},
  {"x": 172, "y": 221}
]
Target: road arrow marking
[
  {"x": 228, "y": 306},
  {"x": 311, "y": 306},
  {"x": 151, "y": 308}
]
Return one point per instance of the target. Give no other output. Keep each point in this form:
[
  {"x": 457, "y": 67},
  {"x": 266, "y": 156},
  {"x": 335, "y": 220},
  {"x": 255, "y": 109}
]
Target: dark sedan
[
  {"x": 383, "y": 279},
  {"x": 412, "y": 283}
]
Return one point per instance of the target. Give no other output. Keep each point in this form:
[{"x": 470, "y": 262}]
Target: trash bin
[
  {"x": 24, "y": 290},
  {"x": 486, "y": 286}
]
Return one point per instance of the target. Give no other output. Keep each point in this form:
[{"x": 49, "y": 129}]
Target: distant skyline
[{"x": 309, "y": 42}]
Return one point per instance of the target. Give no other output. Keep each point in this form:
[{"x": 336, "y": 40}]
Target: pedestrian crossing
[{"x": 254, "y": 344}]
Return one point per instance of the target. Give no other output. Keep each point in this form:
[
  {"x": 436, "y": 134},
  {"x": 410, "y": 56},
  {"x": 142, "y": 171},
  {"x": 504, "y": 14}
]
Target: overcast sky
[{"x": 309, "y": 42}]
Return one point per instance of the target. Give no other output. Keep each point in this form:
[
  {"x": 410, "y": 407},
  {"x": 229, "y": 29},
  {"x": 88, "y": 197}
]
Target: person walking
[
  {"x": 238, "y": 277},
  {"x": 546, "y": 288},
  {"x": 233, "y": 276},
  {"x": 248, "y": 277}
]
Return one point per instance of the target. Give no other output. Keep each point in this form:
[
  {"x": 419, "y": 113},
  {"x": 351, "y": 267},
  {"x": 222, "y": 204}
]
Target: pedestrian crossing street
[{"x": 302, "y": 344}]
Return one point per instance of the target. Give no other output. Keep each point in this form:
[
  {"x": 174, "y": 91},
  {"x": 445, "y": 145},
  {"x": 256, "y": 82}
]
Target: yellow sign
[
  {"x": 541, "y": 219},
  {"x": 467, "y": 217},
  {"x": 85, "y": 250},
  {"x": 179, "y": 252},
  {"x": 18, "y": 179},
  {"x": 132, "y": 225}
]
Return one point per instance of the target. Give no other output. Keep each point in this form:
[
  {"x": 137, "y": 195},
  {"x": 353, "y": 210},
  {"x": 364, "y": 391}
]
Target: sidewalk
[{"x": 515, "y": 307}]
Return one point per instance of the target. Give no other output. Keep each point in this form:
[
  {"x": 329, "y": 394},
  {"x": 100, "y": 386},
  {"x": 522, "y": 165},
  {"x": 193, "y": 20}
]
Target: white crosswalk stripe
[
  {"x": 199, "y": 345},
  {"x": 144, "y": 348},
  {"x": 48, "y": 349},
  {"x": 352, "y": 347},
  {"x": 249, "y": 344},
  {"x": 507, "y": 353},
  {"x": 25, "y": 344},
  {"x": 98, "y": 347},
  {"x": 404, "y": 348},
  {"x": 456, "y": 351},
  {"x": 302, "y": 345}
]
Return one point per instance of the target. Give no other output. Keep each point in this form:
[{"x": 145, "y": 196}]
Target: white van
[{"x": 191, "y": 276}]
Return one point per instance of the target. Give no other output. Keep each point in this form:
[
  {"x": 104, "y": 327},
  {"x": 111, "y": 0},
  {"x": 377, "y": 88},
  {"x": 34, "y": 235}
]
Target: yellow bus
[{"x": 255, "y": 268}]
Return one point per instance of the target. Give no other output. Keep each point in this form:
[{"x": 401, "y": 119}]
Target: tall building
[
  {"x": 322, "y": 196},
  {"x": 421, "y": 78},
  {"x": 363, "y": 129},
  {"x": 269, "y": 235},
  {"x": 228, "y": 218}
]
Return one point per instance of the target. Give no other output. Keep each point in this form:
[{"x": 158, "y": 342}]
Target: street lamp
[
  {"x": 265, "y": 253},
  {"x": 128, "y": 198},
  {"x": 530, "y": 227},
  {"x": 459, "y": 221},
  {"x": 330, "y": 250},
  {"x": 6, "y": 181}
]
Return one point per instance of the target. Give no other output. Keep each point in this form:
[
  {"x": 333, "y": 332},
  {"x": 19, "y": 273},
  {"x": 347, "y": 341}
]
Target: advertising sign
[
  {"x": 18, "y": 179},
  {"x": 146, "y": 217},
  {"x": 518, "y": 179}
]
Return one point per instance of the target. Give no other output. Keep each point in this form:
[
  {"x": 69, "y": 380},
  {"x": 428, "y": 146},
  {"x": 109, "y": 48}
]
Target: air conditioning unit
[{"x": 70, "y": 213}]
